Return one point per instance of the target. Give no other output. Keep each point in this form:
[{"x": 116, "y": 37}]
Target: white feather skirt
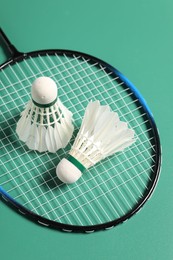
[{"x": 45, "y": 129}]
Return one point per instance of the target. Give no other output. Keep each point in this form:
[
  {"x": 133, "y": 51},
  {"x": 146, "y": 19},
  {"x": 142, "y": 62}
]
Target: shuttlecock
[
  {"x": 45, "y": 124},
  {"x": 101, "y": 134}
]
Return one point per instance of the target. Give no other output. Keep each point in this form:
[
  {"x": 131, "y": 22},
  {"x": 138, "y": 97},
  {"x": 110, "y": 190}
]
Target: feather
[
  {"x": 101, "y": 134},
  {"x": 33, "y": 138},
  {"x": 42, "y": 142},
  {"x": 50, "y": 140},
  {"x": 23, "y": 129}
]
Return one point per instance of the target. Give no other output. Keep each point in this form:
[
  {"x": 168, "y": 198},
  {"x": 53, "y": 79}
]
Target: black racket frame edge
[{"x": 17, "y": 56}]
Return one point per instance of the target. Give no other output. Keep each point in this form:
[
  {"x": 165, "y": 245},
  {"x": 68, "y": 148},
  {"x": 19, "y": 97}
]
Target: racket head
[{"x": 107, "y": 194}]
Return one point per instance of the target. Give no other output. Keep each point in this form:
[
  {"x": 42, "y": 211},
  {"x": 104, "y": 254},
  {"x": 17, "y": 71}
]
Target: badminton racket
[{"x": 107, "y": 194}]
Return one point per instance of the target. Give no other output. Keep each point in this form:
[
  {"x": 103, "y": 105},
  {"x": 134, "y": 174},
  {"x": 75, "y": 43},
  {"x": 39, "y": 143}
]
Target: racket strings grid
[{"x": 112, "y": 190}]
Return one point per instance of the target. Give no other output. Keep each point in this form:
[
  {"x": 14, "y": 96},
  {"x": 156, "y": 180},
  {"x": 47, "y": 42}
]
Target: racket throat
[{"x": 11, "y": 48}]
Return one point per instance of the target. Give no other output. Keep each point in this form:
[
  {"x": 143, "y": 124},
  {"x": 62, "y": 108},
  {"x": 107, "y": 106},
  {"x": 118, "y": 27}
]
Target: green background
[{"x": 136, "y": 37}]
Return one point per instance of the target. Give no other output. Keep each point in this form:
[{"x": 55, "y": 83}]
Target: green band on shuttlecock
[
  {"x": 73, "y": 160},
  {"x": 44, "y": 105}
]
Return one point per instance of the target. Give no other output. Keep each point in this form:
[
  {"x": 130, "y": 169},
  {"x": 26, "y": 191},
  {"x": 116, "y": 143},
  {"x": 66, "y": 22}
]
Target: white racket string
[{"x": 110, "y": 189}]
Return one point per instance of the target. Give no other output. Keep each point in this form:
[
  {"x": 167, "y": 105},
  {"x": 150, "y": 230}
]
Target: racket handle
[{"x": 11, "y": 48}]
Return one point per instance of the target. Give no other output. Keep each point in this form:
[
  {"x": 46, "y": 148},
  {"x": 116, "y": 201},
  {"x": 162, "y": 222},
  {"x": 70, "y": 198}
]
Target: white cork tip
[
  {"x": 67, "y": 172},
  {"x": 44, "y": 90}
]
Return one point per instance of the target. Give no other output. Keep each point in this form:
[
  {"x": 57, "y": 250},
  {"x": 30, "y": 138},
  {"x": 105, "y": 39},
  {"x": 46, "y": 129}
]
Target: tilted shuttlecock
[
  {"x": 45, "y": 124},
  {"x": 101, "y": 134}
]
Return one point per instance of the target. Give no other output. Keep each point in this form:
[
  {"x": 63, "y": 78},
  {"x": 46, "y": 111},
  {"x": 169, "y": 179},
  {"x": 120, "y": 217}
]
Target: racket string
[
  {"x": 110, "y": 189},
  {"x": 39, "y": 165}
]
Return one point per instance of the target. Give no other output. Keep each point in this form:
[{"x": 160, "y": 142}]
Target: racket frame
[{"x": 17, "y": 56}]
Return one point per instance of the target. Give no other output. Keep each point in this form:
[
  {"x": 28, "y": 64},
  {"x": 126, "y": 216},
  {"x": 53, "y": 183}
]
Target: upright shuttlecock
[
  {"x": 45, "y": 124},
  {"x": 101, "y": 134}
]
